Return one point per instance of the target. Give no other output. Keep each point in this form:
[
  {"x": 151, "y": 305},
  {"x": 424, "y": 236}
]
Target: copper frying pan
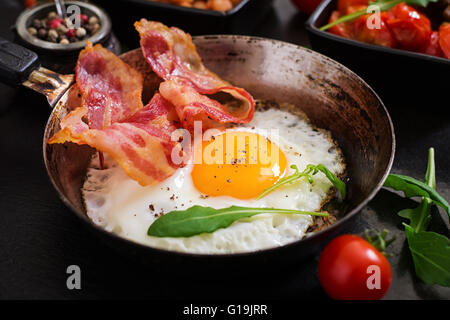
[{"x": 332, "y": 96}]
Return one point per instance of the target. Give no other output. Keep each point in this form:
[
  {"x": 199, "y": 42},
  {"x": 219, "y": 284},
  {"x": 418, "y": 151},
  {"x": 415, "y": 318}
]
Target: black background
[{"x": 40, "y": 237}]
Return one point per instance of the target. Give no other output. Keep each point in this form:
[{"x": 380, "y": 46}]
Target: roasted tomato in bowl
[{"x": 401, "y": 27}]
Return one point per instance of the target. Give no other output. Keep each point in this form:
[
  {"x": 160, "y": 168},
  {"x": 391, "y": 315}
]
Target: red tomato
[
  {"x": 354, "y": 8},
  {"x": 29, "y": 3},
  {"x": 444, "y": 39},
  {"x": 341, "y": 29},
  {"x": 432, "y": 47},
  {"x": 410, "y": 28},
  {"x": 381, "y": 36},
  {"x": 351, "y": 268},
  {"x": 306, "y": 6},
  {"x": 344, "y": 4}
]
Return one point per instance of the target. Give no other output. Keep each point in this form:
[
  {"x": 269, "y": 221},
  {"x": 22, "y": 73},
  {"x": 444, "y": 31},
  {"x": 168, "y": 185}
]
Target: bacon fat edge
[{"x": 173, "y": 56}]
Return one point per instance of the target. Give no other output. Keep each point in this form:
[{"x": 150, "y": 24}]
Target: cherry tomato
[
  {"x": 30, "y": 3},
  {"x": 432, "y": 46},
  {"x": 306, "y": 6},
  {"x": 410, "y": 28},
  {"x": 344, "y": 4},
  {"x": 382, "y": 36},
  {"x": 444, "y": 39},
  {"x": 341, "y": 29},
  {"x": 351, "y": 268}
]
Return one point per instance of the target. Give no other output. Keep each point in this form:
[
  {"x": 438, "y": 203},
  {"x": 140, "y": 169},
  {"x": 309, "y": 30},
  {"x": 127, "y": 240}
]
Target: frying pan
[{"x": 331, "y": 95}]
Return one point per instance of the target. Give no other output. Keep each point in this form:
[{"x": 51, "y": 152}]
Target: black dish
[
  {"x": 395, "y": 74},
  {"x": 57, "y": 57},
  {"x": 240, "y": 20}
]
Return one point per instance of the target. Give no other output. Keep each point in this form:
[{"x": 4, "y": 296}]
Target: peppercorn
[
  {"x": 54, "y": 23},
  {"x": 95, "y": 27},
  {"x": 52, "y": 15},
  {"x": 36, "y": 23},
  {"x": 68, "y": 23},
  {"x": 80, "y": 32},
  {"x": 84, "y": 18},
  {"x": 52, "y": 35},
  {"x": 55, "y": 29},
  {"x": 42, "y": 33},
  {"x": 62, "y": 29},
  {"x": 32, "y": 31},
  {"x": 70, "y": 33},
  {"x": 93, "y": 20}
]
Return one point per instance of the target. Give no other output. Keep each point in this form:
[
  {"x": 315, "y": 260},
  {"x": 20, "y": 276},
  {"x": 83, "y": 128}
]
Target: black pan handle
[
  {"x": 16, "y": 62},
  {"x": 20, "y": 66}
]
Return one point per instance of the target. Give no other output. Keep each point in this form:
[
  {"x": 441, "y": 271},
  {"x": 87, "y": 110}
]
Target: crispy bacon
[
  {"x": 141, "y": 144},
  {"x": 112, "y": 118},
  {"x": 111, "y": 90},
  {"x": 72, "y": 127},
  {"x": 192, "y": 106},
  {"x": 173, "y": 56}
]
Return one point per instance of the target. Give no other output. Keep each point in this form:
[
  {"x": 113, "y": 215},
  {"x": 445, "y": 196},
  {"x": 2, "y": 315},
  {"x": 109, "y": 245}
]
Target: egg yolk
[{"x": 237, "y": 164}]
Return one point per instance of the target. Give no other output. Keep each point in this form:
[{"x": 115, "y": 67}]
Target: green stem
[
  {"x": 291, "y": 178},
  {"x": 379, "y": 240},
  {"x": 430, "y": 180}
]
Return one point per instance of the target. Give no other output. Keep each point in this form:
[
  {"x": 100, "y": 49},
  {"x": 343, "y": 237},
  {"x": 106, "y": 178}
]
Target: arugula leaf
[
  {"x": 383, "y": 5},
  {"x": 412, "y": 188},
  {"x": 430, "y": 250},
  {"x": 414, "y": 215},
  {"x": 420, "y": 217},
  {"x": 309, "y": 171},
  {"x": 198, "y": 219},
  {"x": 337, "y": 183},
  {"x": 431, "y": 256}
]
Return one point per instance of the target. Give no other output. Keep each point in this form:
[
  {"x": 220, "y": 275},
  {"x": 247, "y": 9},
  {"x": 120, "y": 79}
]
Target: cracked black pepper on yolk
[{"x": 238, "y": 164}]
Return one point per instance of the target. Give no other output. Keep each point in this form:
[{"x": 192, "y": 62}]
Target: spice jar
[{"x": 58, "y": 40}]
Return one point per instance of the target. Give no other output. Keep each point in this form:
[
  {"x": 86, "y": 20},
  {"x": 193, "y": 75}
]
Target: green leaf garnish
[
  {"x": 413, "y": 188},
  {"x": 198, "y": 219},
  {"x": 384, "y": 5},
  {"x": 309, "y": 171},
  {"x": 431, "y": 255},
  {"x": 430, "y": 250}
]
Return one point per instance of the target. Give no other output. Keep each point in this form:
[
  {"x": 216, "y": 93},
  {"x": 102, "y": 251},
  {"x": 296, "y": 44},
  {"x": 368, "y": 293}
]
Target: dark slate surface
[{"x": 40, "y": 237}]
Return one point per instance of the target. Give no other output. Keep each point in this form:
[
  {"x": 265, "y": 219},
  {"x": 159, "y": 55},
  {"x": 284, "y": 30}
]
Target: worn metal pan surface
[{"x": 332, "y": 96}]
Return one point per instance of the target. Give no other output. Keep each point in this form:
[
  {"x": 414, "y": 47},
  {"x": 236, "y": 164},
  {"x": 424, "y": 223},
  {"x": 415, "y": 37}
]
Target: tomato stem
[{"x": 379, "y": 240}]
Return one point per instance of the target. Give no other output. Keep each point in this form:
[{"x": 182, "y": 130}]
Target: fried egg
[{"x": 120, "y": 205}]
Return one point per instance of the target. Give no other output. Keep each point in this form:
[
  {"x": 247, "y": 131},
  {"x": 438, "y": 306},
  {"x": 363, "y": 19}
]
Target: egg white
[{"x": 120, "y": 205}]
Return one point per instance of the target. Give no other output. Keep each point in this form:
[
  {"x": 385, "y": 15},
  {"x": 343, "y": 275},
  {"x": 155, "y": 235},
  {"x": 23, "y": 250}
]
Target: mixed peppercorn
[{"x": 55, "y": 29}]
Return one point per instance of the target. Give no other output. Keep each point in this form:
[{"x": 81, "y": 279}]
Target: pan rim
[{"x": 329, "y": 230}]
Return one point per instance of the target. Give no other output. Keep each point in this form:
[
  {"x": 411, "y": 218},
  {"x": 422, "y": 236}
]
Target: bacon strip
[
  {"x": 192, "y": 106},
  {"x": 141, "y": 144},
  {"x": 111, "y": 90},
  {"x": 173, "y": 56}
]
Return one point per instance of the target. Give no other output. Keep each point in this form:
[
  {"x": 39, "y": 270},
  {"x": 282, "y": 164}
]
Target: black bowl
[
  {"x": 397, "y": 75},
  {"x": 242, "y": 19},
  {"x": 59, "y": 57}
]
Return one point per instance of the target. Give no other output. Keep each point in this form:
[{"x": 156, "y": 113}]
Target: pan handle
[
  {"x": 16, "y": 63},
  {"x": 21, "y": 66}
]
